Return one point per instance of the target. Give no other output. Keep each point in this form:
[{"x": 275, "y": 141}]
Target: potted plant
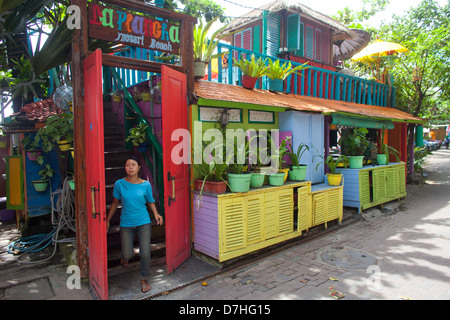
[
  {"x": 385, "y": 151},
  {"x": 278, "y": 179},
  {"x": 137, "y": 136},
  {"x": 116, "y": 96},
  {"x": 204, "y": 48},
  {"x": 353, "y": 145},
  {"x": 238, "y": 180},
  {"x": 210, "y": 175},
  {"x": 32, "y": 148},
  {"x": 45, "y": 173},
  {"x": 251, "y": 70},
  {"x": 277, "y": 73},
  {"x": 298, "y": 171},
  {"x": 334, "y": 178},
  {"x": 58, "y": 130}
]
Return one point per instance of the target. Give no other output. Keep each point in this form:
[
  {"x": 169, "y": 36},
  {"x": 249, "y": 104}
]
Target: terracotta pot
[
  {"x": 248, "y": 82},
  {"x": 210, "y": 186}
]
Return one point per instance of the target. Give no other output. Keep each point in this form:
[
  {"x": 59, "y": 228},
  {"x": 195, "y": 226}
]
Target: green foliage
[
  {"x": 57, "y": 127},
  {"x": 420, "y": 154},
  {"x": 354, "y": 142},
  {"x": 333, "y": 164},
  {"x": 137, "y": 135},
  {"x": 295, "y": 157},
  {"x": 253, "y": 67},
  {"x": 276, "y": 71},
  {"x": 203, "y": 47}
]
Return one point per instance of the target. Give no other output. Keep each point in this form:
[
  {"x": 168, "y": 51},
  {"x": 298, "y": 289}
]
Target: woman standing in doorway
[{"x": 135, "y": 194}]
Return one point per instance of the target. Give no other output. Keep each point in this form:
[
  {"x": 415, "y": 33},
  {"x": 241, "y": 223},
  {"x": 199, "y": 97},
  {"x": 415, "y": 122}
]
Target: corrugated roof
[{"x": 224, "y": 92}]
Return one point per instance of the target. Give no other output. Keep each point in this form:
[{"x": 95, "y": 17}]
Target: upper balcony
[{"x": 314, "y": 81}]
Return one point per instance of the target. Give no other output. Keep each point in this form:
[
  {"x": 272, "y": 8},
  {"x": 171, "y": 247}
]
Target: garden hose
[{"x": 63, "y": 218}]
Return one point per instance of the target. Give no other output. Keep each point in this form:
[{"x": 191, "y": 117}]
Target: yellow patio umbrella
[
  {"x": 378, "y": 49},
  {"x": 374, "y": 52}
]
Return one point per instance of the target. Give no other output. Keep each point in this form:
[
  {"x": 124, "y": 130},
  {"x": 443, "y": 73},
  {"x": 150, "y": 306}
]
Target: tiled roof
[
  {"x": 224, "y": 92},
  {"x": 39, "y": 111}
]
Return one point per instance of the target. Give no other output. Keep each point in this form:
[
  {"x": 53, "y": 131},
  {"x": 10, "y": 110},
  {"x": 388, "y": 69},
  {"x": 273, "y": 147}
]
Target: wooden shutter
[
  {"x": 285, "y": 211},
  {"x": 255, "y": 211},
  {"x": 247, "y": 39},
  {"x": 326, "y": 47},
  {"x": 318, "y": 46},
  {"x": 257, "y": 39},
  {"x": 309, "y": 42},
  {"x": 273, "y": 35},
  {"x": 301, "y": 51},
  {"x": 232, "y": 233},
  {"x": 293, "y": 32},
  {"x": 304, "y": 211}
]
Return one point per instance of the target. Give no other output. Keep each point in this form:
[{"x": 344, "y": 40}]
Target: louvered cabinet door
[
  {"x": 364, "y": 188},
  {"x": 255, "y": 215},
  {"x": 334, "y": 204},
  {"x": 270, "y": 214},
  {"x": 402, "y": 179},
  {"x": 285, "y": 211},
  {"x": 379, "y": 185},
  {"x": 304, "y": 209},
  {"x": 319, "y": 208},
  {"x": 233, "y": 228}
]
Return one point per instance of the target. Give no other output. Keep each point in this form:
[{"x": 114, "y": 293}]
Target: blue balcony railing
[{"x": 314, "y": 82}]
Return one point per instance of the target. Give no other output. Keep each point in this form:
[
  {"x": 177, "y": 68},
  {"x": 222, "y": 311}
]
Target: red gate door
[
  {"x": 95, "y": 174},
  {"x": 176, "y": 176}
]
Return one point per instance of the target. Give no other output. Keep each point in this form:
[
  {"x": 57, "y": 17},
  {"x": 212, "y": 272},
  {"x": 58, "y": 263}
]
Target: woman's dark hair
[{"x": 135, "y": 159}]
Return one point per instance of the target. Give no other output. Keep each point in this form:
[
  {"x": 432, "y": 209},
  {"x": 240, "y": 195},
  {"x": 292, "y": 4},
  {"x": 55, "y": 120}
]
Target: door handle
[
  {"x": 94, "y": 213},
  {"x": 172, "y": 198}
]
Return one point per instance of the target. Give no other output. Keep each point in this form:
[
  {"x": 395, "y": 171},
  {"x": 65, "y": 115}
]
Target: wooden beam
[
  {"x": 79, "y": 52},
  {"x": 135, "y": 64}
]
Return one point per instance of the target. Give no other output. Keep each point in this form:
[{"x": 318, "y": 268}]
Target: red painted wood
[
  {"x": 95, "y": 174},
  {"x": 177, "y": 213}
]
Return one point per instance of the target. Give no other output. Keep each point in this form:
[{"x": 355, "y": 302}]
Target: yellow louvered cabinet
[
  {"x": 233, "y": 224},
  {"x": 327, "y": 204}
]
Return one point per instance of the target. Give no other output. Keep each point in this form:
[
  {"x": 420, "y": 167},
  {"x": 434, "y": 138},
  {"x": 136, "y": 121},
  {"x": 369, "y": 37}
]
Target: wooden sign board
[{"x": 114, "y": 25}]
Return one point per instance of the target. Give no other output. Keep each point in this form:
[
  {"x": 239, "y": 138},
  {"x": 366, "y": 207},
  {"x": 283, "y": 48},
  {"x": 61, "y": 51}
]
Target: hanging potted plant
[
  {"x": 137, "y": 136},
  {"x": 278, "y": 73},
  {"x": 57, "y": 131},
  {"x": 334, "y": 178},
  {"x": 204, "y": 48},
  {"x": 251, "y": 70},
  {"x": 116, "y": 96},
  {"x": 298, "y": 171},
  {"x": 32, "y": 148},
  {"x": 45, "y": 173},
  {"x": 353, "y": 145}
]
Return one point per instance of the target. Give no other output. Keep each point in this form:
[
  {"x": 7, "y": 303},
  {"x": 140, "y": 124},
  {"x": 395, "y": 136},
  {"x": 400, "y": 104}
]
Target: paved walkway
[{"x": 390, "y": 255}]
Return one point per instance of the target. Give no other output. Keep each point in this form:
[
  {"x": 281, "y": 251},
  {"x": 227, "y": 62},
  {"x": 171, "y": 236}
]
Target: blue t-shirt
[{"x": 134, "y": 198}]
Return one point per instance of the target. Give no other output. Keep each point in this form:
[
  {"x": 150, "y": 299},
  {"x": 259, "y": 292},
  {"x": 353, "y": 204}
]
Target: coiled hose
[{"x": 63, "y": 218}]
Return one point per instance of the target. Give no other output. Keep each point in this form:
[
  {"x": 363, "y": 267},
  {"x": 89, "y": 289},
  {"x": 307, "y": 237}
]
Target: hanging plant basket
[
  {"x": 40, "y": 185},
  {"x": 64, "y": 145},
  {"x": 33, "y": 154}
]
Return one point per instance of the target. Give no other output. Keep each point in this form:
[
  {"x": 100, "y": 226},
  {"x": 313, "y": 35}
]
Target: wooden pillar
[{"x": 79, "y": 53}]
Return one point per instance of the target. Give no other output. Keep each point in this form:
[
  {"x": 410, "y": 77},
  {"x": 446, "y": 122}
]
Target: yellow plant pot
[
  {"x": 64, "y": 145},
  {"x": 334, "y": 179},
  {"x": 286, "y": 173}
]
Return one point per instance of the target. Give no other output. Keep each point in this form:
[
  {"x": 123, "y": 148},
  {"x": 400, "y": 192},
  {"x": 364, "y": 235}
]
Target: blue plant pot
[{"x": 275, "y": 85}]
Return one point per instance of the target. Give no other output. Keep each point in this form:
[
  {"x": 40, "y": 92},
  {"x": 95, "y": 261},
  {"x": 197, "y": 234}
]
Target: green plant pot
[
  {"x": 71, "y": 184},
  {"x": 40, "y": 185},
  {"x": 298, "y": 173},
  {"x": 356, "y": 162},
  {"x": 239, "y": 182},
  {"x": 257, "y": 180},
  {"x": 275, "y": 85},
  {"x": 381, "y": 158},
  {"x": 277, "y": 179}
]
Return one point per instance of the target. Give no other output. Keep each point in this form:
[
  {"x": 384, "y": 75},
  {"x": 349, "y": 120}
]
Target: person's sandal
[
  {"x": 145, "y": 287},
  {"x": 123, "y": 262}
]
